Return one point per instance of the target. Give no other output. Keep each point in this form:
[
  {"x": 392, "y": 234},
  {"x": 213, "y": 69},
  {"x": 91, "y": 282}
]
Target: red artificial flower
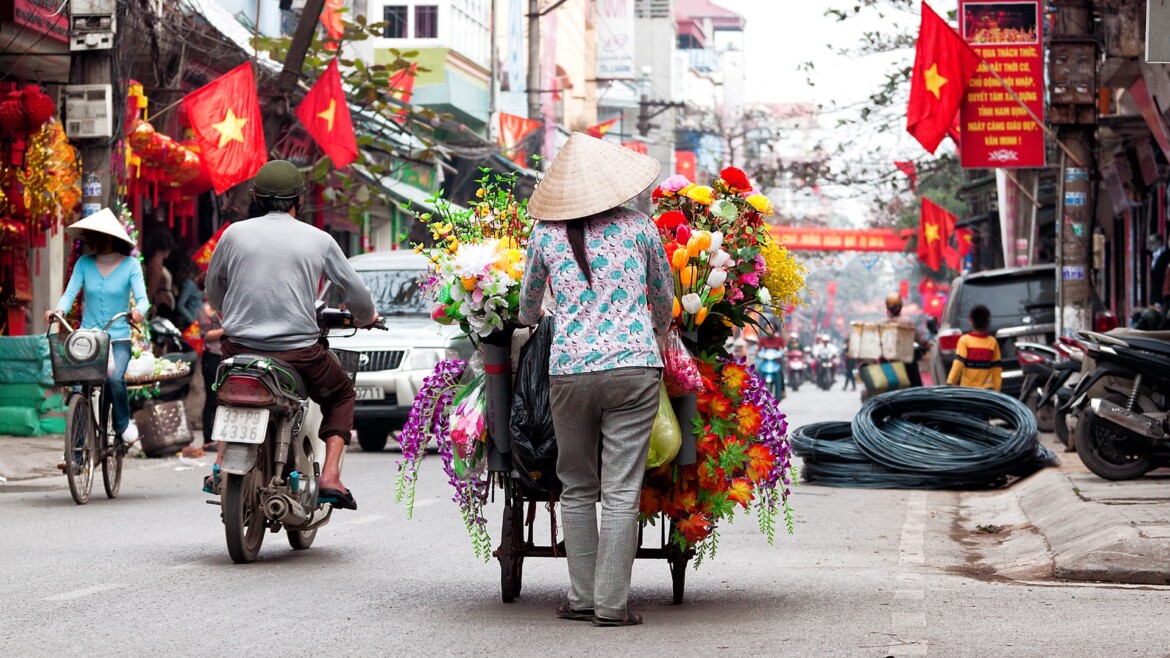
[
  {"x": 740, "y": 491},
  {"x": 734, "y": 375},
  {"x": 657, "y": 194},
  {"x": 712, "y": 478},
  {"x": 715, "y": 404},
  {"x": 670, "y": 247},
  {"x": 649, "y": 504},
  {"x": 761, "y": 461},
  {"x": 709, "y": 445},
  {"x": 694, "y": 528},
  {"x": 671, "y": 220},
  {"x": 735, "y": 179},
  {"x": 683, "y": 233}
]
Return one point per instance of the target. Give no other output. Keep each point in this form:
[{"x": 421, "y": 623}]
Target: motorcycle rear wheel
[
  {"x": 301, "y": 540},
  {"x": 1105, "y": 451},
  {"x": 243, "y": 520},
  {"x": 1045, "y": 416}
]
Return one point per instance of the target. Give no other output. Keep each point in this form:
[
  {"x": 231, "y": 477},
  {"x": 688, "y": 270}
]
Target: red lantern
[
  {"x": 141, "y": 136},
  {"x": 189, "y": 170},
  {"x": 12, "y": 116},
  {"x": 38, "y": 108}
]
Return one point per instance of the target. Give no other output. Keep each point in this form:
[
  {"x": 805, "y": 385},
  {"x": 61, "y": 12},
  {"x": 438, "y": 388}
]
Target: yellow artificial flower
[
  {"x": 679, "y": 260},
  {"x": 686, "y": 188},
  {"x": 480, "y": 192},
  {"x": 701, "y": 194},
  {"x": 784, "y": 277},
  {"x": 762, "y": 204},
  {"x": 687, "y": 275}
]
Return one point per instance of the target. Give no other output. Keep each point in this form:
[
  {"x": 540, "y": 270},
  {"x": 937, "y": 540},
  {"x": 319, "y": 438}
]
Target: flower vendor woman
[
  {"x": 109, "y": 276},
  {"x": 613, "y": 295}
]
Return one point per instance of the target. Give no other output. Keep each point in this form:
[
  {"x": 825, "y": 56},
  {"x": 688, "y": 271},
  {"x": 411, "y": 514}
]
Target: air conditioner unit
[
  {"x": 88, "y": 111},
  {"x": 92, "y": 24}
]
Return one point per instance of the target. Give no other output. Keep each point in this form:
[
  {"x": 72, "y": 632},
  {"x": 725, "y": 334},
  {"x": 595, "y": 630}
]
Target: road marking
[
  {"x": 79, "y": 593},
  {"x": 367, "y": 519},
  {"x": 909, "y": 602}
]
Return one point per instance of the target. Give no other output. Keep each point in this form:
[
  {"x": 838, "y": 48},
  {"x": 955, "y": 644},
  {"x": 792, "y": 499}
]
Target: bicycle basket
[
  {"x": 81, "y": 357},
  {"x": 349, "y": 362}
]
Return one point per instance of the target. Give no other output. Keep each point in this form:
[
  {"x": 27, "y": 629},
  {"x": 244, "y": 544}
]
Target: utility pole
[
  {"x": 534, "y": 67},
  {"x": 276, "y": 114},
  {"x": 95, "y": 67},
  {"x": 1073, "y": 76}
]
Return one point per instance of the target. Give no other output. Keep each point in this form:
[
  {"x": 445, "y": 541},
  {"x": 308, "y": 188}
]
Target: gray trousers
[{"x": 608, "y": 414}]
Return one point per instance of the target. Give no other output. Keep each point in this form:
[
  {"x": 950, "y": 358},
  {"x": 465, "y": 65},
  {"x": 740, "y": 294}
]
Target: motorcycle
[
  {"x": 1123, "y": 429},
  {"x": 272, "y": 458},
  {"x": 826, "y": 371},
  {"x": 795, "y": 369},
  {"x": 1038, "y": 362},
  {"x": 772, "y": 370}
]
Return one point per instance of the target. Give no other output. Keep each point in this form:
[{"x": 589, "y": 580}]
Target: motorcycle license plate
[
  {"x": 238, "y": 425},
  {"x": 370, "y": 393}
]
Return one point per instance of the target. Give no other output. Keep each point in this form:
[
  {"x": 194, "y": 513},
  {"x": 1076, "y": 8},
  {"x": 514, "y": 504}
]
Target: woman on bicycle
[{"x": 109, "y": 276}]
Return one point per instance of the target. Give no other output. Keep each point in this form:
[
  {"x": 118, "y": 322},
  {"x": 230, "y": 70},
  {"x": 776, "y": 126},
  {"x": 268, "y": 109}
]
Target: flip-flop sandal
[
  {"x": 566, "y": 611},
  {"x": 337, "y": 498},
  {"x": 211, "y": 482},
  {"x": 631, "y": 619}
]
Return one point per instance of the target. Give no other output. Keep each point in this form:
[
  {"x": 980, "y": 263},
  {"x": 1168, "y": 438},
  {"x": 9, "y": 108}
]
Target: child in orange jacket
[{"x": 977, "y": 356}]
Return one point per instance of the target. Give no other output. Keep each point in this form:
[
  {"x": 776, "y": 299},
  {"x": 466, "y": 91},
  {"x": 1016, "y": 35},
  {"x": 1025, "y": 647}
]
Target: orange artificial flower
[
  {"x": 677, "y": 310},
  {"x": 701, "y": 315},
  {"x": 760, "y": 462},
  {"x": 734, "y": 376},
  {"x": 749, "y": 420},
  {"x": 716, "y": 405},
  {"x": 694, "y": 528},
  {"x": 687, "y": 275},
  {"x": 680, "y": 258},
  {"x": 740, "y": 491},
  {"x": 712, "y": 478},
  {"x": 649, "y": 504},
  {"x": 717, "y": 294}
]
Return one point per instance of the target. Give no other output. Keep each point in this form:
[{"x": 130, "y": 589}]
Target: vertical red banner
[{"x": 996, "y": 130}]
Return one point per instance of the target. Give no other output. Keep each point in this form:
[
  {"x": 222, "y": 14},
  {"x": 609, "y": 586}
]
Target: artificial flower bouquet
[
  {"x": 477, "y": 259},
  {"x": 726, "y": 264}
]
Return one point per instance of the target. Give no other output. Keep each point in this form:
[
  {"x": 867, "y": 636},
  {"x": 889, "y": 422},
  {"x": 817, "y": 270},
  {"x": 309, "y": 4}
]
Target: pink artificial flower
[
  {"x": 674, "y": 183},
  {"x": 752, "y": 279},
  {"x": 683, "y": 234},
  {"x": 736, "y": 295},
  {"x": 760, "y": 263}
]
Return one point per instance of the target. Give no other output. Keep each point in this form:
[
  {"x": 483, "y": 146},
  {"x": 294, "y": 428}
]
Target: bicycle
[{"x": 79, "y": 359}]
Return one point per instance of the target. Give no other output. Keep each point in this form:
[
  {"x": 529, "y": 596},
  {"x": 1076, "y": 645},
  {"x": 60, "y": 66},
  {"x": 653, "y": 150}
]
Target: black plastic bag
[{"x": 534, "y": 443}]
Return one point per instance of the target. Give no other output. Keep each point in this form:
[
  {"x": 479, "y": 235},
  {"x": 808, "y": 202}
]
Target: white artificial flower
[
  {"x": 720, "y": 258},
  {"x": 692, "y": 303},
  {"x": 765, "y": 297},
  {"x": 716, "y": 278},
  {"x": 475, "y": 259},
  {"x": 716, "y": 241}
]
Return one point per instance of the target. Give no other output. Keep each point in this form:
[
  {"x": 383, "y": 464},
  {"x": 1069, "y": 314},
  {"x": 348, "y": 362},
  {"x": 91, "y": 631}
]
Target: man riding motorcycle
[{"x": 264, "y": 278}]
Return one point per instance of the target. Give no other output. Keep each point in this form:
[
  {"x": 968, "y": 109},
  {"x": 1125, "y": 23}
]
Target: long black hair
[{"x": 576, "y": 233}]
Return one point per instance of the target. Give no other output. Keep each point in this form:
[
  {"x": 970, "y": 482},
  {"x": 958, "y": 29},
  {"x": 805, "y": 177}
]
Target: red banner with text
[
  {"x": 996, "y": 130},
  {"x": 806, "y": 238}
]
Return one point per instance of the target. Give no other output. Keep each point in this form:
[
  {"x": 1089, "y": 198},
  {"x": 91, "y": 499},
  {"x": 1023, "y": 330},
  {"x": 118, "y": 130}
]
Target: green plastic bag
[{"x": 666, "y": 438}]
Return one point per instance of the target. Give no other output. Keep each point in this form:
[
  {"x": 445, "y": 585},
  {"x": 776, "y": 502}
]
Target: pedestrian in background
[
  {"x": 977, "y": 355},
  {"x": 605, "y": 369},
  {"x": 212, "y": 332}
]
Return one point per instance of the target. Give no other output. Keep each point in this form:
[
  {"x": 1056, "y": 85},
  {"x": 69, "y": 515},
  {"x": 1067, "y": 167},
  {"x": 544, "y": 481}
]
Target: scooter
[
  {"x": 272, "y": 458},
  {"x": 772, "y": 371},
  {"x": 826, "y": 371},
  {"x": 1037, "y": 363},
  {"x": 1124, "y": 431},
  {"x": 795, "y": 369}
]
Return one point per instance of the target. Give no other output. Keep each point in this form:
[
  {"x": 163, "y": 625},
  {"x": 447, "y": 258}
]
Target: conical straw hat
[
  {"x": 102, "y": 221},
  {"x": 590, "y": 176}
]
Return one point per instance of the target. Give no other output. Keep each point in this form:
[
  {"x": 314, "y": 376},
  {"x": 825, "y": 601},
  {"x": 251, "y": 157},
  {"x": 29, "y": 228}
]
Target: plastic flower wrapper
[
  {"x": 468, "y": 425},
  {"x": 679, "y": 373}
]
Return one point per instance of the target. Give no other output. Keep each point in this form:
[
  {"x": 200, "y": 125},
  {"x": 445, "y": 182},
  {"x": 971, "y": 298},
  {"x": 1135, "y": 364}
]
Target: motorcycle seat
[
  {"x": 1128, "y": 335},
  {"x": 1160, "y": 347},
  {"x": 290, "y": 380}
]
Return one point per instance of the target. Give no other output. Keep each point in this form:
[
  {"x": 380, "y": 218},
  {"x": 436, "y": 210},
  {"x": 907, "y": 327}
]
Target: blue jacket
[{"x": 106, "y": 296}]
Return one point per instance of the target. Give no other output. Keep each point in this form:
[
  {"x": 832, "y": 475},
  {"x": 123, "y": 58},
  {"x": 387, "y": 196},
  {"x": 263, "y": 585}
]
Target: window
[
  {"x": 426, "y": 22},
  {"x": 395, "y": 18}
]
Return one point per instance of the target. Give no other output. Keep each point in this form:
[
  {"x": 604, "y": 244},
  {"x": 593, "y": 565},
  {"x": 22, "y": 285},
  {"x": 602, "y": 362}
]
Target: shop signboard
[
  {"x": 41, "y": 16},
  {"x": 997, "y": 131},
  {"x": 804, "y": 238},
  {"x": 614, "y": 20}
]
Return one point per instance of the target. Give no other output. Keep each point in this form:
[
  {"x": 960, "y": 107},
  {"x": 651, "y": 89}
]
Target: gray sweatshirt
[{"x": 264, "y": 278}]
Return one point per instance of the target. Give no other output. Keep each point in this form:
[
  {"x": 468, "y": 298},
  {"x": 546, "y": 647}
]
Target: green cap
[{"x": 279, "y": 179}]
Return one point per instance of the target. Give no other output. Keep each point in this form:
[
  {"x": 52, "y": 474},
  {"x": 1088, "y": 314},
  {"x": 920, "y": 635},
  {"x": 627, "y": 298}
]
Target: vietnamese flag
[
  {"x": 600, "y": 129},
  {"x": 685, "y": 164},
  {"x": 225, "y": 116},
  {"x": 331, "y": 19},
  {"x": 325, "y": 113},
  {"x": 933, "y": 234},
  {"x": 514, "y": 130},
  {"x": 402, "y": 89},
  {"x": 943, "y": 66},
  {"x": 964, "y": 243}
]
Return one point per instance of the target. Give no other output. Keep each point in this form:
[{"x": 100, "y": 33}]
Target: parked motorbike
[
  {"x": 272, "y": 454},
  {"x": 769, "y": 359},
  {"x": 1123, "y": 428},
  {"x": 795, "y": 369},
  {"x": 1037, "y": 363}
]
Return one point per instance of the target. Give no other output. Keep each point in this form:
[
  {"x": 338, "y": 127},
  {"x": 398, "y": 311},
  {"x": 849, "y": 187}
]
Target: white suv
[{"x": 394, "y": 363}]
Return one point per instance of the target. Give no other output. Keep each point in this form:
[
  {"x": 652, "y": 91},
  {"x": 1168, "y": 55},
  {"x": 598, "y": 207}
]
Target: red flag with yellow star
[
  {"x": 600, "y": 129},
  {"x": 225, "y": 115},
  {"x": 943, "y": 66},
  {"x": 934, "y": 227},
  {"x": 325, "y": 113}
]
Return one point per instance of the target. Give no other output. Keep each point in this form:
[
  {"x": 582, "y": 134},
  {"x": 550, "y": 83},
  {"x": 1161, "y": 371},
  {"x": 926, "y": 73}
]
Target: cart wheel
[{"x": 511, "y": 555}]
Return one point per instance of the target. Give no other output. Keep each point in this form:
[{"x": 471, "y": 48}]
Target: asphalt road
[{"x": 867, "y": 573}]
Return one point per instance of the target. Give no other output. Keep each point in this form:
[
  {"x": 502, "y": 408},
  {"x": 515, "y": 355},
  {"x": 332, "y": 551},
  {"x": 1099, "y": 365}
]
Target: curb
[
  {"x": 27, "y": 458},
  {"x": 1091, "y": 540}
]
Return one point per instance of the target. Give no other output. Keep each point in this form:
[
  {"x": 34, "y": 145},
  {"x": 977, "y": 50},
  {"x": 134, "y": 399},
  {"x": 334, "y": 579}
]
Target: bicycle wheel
[
  {"x": 112, "y": 450},
  {"x": 79, "y": 448}
]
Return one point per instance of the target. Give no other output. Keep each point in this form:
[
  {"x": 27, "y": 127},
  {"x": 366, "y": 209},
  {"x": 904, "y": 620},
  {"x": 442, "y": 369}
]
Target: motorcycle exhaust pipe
[
  {"x": 285, "y": 510},
  {"x": 1132, "y": 422}
]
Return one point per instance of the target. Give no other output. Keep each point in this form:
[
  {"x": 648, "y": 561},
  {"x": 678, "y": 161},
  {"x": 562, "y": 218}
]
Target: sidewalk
[
  {"x": 28, "y": 457},
  {"x": 1068, "y": 524}
]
